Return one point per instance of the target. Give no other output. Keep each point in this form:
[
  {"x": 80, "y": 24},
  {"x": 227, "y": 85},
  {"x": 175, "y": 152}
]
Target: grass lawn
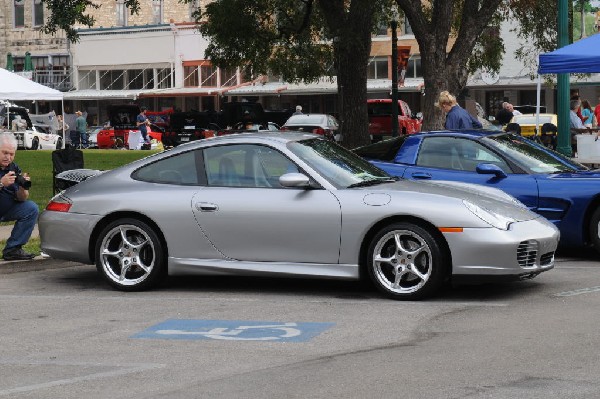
[{"x": 39, "y": 166}]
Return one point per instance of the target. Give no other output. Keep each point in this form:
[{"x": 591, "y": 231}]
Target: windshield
[
  {"x": 531, "y": 156},
  {"x": 335, "y": 163}
]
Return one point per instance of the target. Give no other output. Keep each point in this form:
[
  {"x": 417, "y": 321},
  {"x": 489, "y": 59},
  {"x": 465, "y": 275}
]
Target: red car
[
  {"x": 380, "y": 118},
  {"x": 122, "y": 120}
]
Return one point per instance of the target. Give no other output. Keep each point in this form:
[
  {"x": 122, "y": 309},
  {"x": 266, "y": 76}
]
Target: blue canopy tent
[{"x": 583, "y": 56}]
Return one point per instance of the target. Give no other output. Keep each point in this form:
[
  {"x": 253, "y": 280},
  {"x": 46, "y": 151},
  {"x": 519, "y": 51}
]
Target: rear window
[{"x": 382, "y": 151}]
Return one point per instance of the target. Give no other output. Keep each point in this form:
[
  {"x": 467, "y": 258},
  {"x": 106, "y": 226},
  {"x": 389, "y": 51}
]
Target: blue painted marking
[{"x": 234, "y": 330}]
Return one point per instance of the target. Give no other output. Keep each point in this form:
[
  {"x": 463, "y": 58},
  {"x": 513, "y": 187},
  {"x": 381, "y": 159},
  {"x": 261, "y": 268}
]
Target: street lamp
[{"x": 394, "y": 26}]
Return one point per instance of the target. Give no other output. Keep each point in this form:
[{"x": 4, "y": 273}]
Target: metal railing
[{"x": 55, "y": 79}]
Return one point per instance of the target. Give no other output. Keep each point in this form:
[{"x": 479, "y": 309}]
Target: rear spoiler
[{"x": 71, "y": 177}]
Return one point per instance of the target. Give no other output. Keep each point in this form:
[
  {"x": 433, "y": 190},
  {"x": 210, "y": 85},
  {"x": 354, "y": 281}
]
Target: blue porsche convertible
[{"x": 563, "y": 191}]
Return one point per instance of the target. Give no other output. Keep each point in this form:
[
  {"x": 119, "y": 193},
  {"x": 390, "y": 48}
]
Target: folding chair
[{"x": 62, "y": 160}]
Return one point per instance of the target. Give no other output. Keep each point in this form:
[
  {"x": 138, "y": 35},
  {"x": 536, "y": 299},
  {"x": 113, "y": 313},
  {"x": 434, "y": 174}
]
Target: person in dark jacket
[
  {"x": 456, "y": 116},
  {"x": 505, "y": 115},
  {"x": 14, "y": 202}
]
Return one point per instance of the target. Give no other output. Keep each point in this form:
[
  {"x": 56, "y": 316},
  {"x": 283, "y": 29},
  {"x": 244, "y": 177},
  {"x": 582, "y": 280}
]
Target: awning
[
  {"x": 256, "y": 89},
  {"x": 182, "y": 92},
  {"x": 323, "y": 86},
  {"x": 102, "y": 94}
]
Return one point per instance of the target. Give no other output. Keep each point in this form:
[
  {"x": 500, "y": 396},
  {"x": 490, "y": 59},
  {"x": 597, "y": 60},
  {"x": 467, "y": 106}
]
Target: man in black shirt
[
  {"x": 504, "y": 115},
  {"x": 14, "y": 203}
]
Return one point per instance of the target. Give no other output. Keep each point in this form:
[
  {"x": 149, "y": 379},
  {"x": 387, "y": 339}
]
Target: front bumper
[{"x": 523, "y": 251}]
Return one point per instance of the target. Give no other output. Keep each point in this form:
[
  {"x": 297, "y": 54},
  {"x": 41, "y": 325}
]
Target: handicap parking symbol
[{"x": 234, "y": 330}]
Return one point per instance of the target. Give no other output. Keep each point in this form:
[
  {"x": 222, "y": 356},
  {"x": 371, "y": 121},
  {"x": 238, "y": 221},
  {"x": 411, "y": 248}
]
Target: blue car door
[{"x": 456, "y": 159}]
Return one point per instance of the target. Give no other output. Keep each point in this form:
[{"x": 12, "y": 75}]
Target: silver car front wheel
[
  {"x": 129, "y": 255},
  {"x": 406, "y": 262}
]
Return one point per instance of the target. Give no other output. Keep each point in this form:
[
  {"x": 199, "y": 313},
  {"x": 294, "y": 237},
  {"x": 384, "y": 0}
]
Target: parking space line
[
  {"x": 124, "y": 369},
  {"x": 580, "y": 291}
]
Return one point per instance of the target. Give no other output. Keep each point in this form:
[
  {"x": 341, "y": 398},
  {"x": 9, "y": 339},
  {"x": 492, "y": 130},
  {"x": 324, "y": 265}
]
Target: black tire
[
  {"x": 406, "y": 262},
  {"x": 35, "y": 143},
  {"x": 594, "y": 229},
  {"x": 135, "y": 245}
]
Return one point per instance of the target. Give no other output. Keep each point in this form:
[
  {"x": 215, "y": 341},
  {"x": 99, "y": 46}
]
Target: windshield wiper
[{"x": 374, "y": 182}]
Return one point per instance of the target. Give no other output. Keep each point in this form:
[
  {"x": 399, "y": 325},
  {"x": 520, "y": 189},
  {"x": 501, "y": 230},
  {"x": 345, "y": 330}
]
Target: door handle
[
  {"x": 206, "y": 207},
  {"x": 421, "y": 175}
]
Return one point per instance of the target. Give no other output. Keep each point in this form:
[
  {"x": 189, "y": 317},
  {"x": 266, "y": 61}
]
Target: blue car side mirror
[{"x": 490, "y": 169}]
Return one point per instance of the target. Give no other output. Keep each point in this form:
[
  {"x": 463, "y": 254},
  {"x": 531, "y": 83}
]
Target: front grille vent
[
  {"x": 527, "y": 253},
  {"x": 547, "y": 259}
]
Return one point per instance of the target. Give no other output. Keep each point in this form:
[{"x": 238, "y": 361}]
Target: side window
[
  {"x": 457, "y": 154},
  {"x": 473, "y": 153},
  {"x": 180, "y": 169},
  {"x": 436, "y": 152},
  {"x": 245, "y": 166}
]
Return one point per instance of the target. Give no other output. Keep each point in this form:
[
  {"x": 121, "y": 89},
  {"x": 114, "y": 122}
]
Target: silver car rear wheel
[
  {"x": 129, "y": 255},
  {"x": 406, "y": 262}
]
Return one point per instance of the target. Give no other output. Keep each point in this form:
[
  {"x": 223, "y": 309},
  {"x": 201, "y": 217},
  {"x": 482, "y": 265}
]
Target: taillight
[
  {"x": 57, "y": 206},
  {"x": 319, "y": 130},
  {"x": 284, "y": 128}
]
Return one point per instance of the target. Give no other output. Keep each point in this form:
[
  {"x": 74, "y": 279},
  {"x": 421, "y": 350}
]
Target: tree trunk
[
  {"x": 443, "y": 69},
  {"x": 352, "y": 46}
]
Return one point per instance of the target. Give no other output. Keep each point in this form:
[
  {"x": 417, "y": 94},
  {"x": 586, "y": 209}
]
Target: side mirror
[
  {"x": 490, "y": 169},
  {"x": 294, "y": 180}
]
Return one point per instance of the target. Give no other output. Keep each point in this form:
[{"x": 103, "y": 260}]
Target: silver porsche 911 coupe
[{"x": 290, "y": 204}]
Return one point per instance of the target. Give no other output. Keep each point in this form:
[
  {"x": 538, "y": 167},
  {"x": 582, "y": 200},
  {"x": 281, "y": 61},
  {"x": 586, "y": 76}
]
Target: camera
[{"x": 20, "y": 180}]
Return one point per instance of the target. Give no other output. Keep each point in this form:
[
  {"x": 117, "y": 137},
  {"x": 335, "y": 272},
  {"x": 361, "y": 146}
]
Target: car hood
[
  {"x": 582, "y": 174},
  {"x": 489, "y": 198}
]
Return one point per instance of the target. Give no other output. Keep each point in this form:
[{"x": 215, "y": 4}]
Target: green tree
[
  {"x": 302, "y": 40},
  {"x": 452, "y": 43},
  {"x": 299, "y": 40}
]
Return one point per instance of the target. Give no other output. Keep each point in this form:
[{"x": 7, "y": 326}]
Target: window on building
[
  {"x": 38, "y": 13},
  {"x": 414, "y": 69},
  {"x": 121, "y": 13},
  {"x": 135, "y": 79},
  {"x": 149, "y": 78},
  {"x": 208, "y": 76},
  {"x": 229, "y": 77},
  {"x": 190, "y": 76},
  {"x": 87, "y": 80},
  {"x": 382, "y": 29},
  {"x": 19, "y": 13},
  {"x": 407, "y": 28},
  {"x": 378, "y": 68},
  {"x": 164, "y": 78},
  {"x": 112, "y": 79},
  {"x": 60, "y": 62},
  {"x": 157, "y": 11}
]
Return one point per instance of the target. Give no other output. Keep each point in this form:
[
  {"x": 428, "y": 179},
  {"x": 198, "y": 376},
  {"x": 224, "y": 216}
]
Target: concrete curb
[{"x": 36, "y": 264}]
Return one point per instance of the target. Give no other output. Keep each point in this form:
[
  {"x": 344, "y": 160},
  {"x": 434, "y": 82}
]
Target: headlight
[{"x": 491, "y": 218}]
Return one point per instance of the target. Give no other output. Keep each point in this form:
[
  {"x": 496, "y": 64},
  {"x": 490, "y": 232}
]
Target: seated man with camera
[{"x": 14, "y": 205}]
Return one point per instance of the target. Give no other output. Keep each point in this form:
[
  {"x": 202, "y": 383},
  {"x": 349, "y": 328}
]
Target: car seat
[
  {"x": 227, "y": 173},
  {"x": 258, "y": 170}
]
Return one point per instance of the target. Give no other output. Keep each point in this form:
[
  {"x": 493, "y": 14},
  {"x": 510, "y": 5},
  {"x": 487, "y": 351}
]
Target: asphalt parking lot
[{"x": 65, "y": 334}]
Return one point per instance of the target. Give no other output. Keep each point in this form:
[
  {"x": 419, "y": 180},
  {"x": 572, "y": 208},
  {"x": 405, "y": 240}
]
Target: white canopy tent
[{"x": 17, "y": 88}]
